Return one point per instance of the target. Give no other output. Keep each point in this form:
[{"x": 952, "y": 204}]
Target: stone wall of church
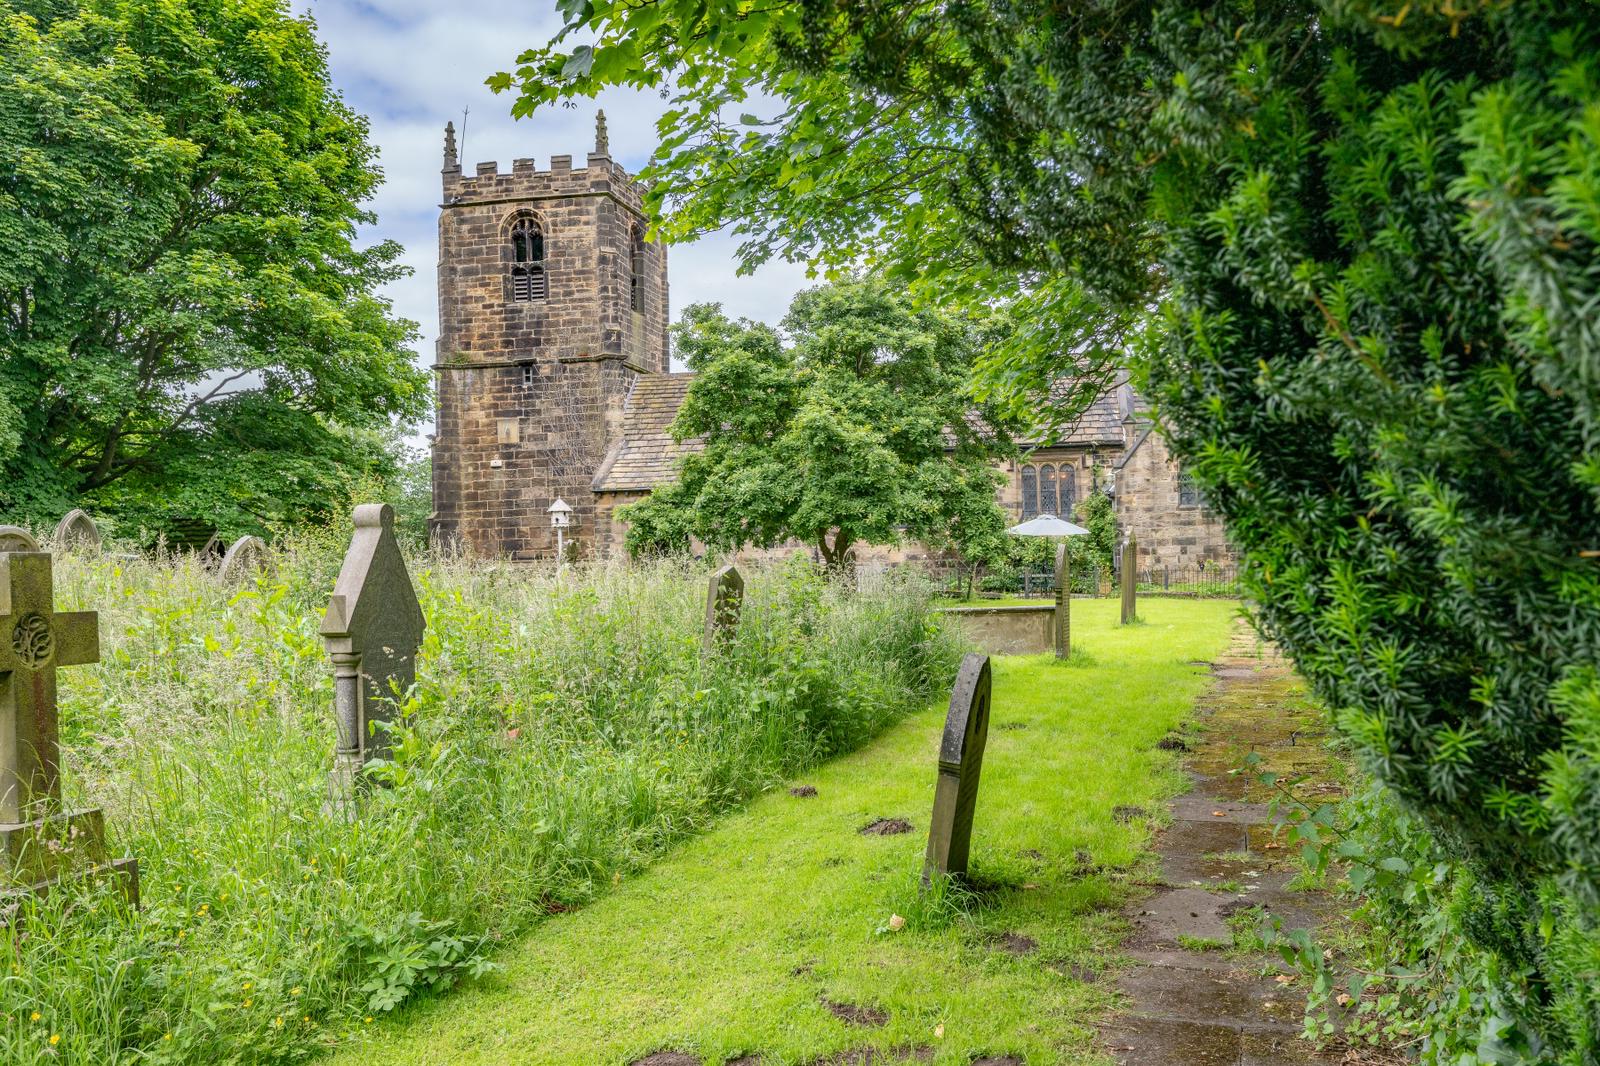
[
  {"x": 529, "y": 392},
  {"x": 1171, "y": 533}
]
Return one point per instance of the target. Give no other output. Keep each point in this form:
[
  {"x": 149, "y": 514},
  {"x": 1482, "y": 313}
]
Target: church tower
[{"x": 551, "y": 303}]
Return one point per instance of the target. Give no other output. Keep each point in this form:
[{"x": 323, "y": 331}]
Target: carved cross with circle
[{"x": 34, "y": 640}]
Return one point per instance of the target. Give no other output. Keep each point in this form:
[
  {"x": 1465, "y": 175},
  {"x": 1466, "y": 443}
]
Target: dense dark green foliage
[
  {"x": 187, "y": 326},
  {"x": 1356, "y": 241}
]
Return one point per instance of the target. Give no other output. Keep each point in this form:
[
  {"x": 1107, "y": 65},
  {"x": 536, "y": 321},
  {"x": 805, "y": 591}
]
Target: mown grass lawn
[{"x": 735, "y": 942}]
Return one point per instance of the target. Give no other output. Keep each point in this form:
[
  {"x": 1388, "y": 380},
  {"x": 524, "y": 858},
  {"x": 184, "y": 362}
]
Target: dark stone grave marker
[
  {"x": 1130, "y": 575},
  {"x": 1063, "y": 603},
  {"x": 966, "y": 731}
]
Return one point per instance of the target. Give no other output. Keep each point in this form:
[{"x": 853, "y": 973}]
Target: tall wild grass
[{"x": 563, "y": 731}]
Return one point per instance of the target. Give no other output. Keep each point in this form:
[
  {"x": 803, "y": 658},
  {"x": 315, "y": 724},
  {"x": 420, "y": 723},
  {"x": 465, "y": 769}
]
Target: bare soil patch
[
  {"x": 856, "y": 1014},
  {"x": 803, "y": 791},
  {"x": 886, "y": 827}
]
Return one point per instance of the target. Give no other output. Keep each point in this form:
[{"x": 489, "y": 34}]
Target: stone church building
[{"x": 553, "y": 380}]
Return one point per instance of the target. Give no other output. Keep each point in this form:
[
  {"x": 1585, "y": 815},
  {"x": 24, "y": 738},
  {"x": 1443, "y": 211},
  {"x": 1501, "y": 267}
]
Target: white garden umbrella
[{"x": 1048, "y": 525}]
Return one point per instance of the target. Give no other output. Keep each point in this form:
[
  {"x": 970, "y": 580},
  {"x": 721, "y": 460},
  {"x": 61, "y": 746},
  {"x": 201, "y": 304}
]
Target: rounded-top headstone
[
  {"x": 17, "y": 539},
  {"x": 246, "y": 556},
  {"x": 77, "y": 530}
]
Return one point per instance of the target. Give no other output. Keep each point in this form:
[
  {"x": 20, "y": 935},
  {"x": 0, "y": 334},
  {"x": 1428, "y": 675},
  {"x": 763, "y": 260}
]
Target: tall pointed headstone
[
  {"x": 1063, "y": 602},
  {"x": 371, "y": 630},
  {"x": 723, "y": 598},
  {"x": 955, "y": 797},
  {"x": 1130, "y": 577},
  {"x": 39, "y": 842}
]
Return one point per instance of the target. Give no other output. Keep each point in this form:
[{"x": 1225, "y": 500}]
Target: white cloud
[{"x": 412, "y": 65}]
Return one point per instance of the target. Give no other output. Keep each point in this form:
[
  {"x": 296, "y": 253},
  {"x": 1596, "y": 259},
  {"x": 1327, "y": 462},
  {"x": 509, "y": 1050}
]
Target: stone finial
[
  {"x": 450, "y": 160},
  {"x": 602, "y": 142}
]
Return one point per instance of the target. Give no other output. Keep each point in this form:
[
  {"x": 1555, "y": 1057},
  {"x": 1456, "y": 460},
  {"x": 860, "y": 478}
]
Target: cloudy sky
[{"x": 412, "y": 65}]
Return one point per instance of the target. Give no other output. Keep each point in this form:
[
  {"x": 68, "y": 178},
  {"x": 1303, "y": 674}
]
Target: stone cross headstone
[
  {"x": 371, "y": 630},
  {"x": 245, "y": 557},
  {"x": 1129, "y": 576},
  {"x": 77, "y": 530},
  {"x": 1063, "y": 603},
  {"x": 723, "y": 597},
  {"x": 39, "y": 842},
  {"x": 966, "y": 731},
  {"x": 17, "y": 539}
]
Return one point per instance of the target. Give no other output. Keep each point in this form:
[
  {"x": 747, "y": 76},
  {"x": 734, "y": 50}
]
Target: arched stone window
[
  {"x": 1189, "y": 494},
  {"x": 527, "y": 261},
  {"x": 1047, "y": 490},
  {"x": 636, "y": 269},
  {"x": 1030, "y": 493},
  {"x": 1067, "y": 489}
]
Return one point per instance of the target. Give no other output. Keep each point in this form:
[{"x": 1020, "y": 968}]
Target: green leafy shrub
[{"x": 563, "y": 731}]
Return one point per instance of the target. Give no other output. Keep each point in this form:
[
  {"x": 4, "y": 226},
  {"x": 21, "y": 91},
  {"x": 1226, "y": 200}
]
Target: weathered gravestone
[
  {"x": 1129, "y": 576},
  {"x": 17, "y": 539},
  {"x": 966, "y": 731},
  {"x": 1063, "y": 603},
  {"x": 723, "y": 598},
  {"x": 77, "y": 530},
  {"x": 247, "y": 556},
  {"x": 39, "y": 842},
  {"x": 371, "y": 630}
]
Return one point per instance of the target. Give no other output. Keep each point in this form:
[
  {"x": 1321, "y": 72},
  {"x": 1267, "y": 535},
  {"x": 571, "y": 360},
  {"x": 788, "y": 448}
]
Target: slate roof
[
  {"x": 1100, "y": 424},
  {"x": 645, "y": 455}
]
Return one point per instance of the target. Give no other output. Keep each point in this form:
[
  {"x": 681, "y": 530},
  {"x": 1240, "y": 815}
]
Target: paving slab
[
  {"x": 1186, "y": 1007},
  {"x": 1203, "y": 808}
]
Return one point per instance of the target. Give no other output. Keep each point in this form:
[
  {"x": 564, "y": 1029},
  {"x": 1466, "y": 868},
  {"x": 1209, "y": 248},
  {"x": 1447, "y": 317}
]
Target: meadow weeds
[{"x": 564, "y": 730}]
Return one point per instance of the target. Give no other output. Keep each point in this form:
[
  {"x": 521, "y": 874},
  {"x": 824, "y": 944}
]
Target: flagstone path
[{"x": 1190, "y": 1001}]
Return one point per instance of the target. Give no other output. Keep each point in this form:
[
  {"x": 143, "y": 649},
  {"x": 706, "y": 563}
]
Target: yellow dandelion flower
[
  {"x": 167, "y": 1037},
  {"x": 248, "y": 1002},
  {"x": 296, "y": 990},
  {"x": 369, "y": 1019},
  {"x": 34, "y": 1016},
  {"x": 55, "y": 1038},
  {"x": 248, "y": 986}
]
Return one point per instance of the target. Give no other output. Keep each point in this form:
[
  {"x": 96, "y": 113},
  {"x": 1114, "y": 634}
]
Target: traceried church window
[
  {"x": 1030, "y": 493},
  {"x": 1067, "y": 489},
  {"x": 636, "y": 269},
  {"x": 1047, "y": 490},
  {"x": 1189, "y": 494},
  {"x": 527, "y": 261}
]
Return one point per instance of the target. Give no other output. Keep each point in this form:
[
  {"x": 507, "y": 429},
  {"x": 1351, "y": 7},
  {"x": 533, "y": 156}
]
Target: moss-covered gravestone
[
  {"x": 40, "y": 843},
  {"x": 1130, "y": 576},
  {"x": 723, "y": 597},
  {"x": 955, "y": 797},
  {"x": 1063, "y": 602},
  {"x": 371, "y": 630}
]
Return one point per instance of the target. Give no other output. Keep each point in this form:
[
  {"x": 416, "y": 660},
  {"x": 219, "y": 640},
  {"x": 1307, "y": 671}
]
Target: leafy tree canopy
[
  {"x": 1354, "y": 243},
  {"x": 849, "y": 426},
  {"x": 189, "y": 327}
]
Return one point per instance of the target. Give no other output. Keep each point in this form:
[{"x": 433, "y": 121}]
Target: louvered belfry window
[
  {"x": 527, "y": 261},
  {"x": 636, "y": 269}
]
